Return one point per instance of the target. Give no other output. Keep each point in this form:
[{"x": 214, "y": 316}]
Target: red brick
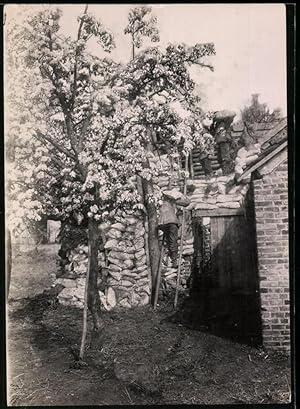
[
  {"x": 281, "y": 214},
  {"x": 270, "y": 261},
  {"x": 266, "y": 250},
  {"x": 270, "y": 228},
  {"x": 258, "y": 203}
]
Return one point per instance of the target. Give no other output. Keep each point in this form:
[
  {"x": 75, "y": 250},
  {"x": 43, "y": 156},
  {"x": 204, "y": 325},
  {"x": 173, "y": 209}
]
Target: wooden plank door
[
  {"x": 232, "y": 248},
  {"x": 232, "y": 298}
]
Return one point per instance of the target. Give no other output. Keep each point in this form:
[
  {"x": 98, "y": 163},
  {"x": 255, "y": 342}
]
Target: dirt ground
[{"x": 144, "y": 359}]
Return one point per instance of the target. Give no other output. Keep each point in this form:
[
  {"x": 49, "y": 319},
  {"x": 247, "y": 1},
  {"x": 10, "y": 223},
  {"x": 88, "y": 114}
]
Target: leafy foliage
[
  {"x": 258, "y": 112},
  {"x": 141, "y": 24},
  {"x": 79, "y": 126}
]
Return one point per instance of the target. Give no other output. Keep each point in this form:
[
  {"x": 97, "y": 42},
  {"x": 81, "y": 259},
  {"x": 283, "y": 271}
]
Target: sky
[{"x": 250, "y": 43}]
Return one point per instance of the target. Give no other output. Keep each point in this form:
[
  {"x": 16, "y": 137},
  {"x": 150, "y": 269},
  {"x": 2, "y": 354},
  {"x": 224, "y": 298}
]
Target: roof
[
  {"x": 259, "y": 129},
  {"x": 263, "y": 158},
  {"x": 273, "y": 141},
  {"x": 269, "y": 135},
  {"x": 275, "y": 135}
]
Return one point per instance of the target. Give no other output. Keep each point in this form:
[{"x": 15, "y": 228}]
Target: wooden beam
[
  {"x": 191, "y": 165},
  {"x": 272, "y": 164},
  {"x": 262, "y": 161},
  {"x": 273, "y": 131},
  {"x": 218, "y": 212}
]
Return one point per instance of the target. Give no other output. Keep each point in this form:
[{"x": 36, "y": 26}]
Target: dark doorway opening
[{"x": 224, "y": 288}]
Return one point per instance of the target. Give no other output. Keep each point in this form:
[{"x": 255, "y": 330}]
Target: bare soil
[{"x": 143, "y": 359}]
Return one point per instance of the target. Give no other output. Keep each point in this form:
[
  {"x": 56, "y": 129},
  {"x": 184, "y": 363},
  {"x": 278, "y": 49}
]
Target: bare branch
[{"x": 204, "y": 65}]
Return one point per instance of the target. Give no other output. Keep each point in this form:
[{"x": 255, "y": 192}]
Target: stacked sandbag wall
[
  {"x": 128, "y": 274},
  {"x": 220, "y": 192},
  {"x": 124, "y": 261},
  {"x": 245, "y": 157},
  {"x": 123, "y": 265}
]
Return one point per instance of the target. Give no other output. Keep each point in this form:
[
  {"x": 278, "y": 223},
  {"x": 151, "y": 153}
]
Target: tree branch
[
  {"x": 203, "y": 65},
  {"x": 40, "y": 136},
  {"x": 81, "y": 22},
  {"x": 57, "y": 162},
  {"x": 156, "y": 92},
  {"x": 76, "y": 60}
]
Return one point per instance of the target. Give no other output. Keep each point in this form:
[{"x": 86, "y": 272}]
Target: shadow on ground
[{"x": 145, "y": 359}]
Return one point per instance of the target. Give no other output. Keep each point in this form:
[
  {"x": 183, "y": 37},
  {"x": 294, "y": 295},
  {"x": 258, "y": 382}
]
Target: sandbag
[
  {"x": 118, "y": 226},
  {"x": 114, "y": 234},
  {"x": 143, "y": 288},
  {"x": 224, "y": 115},
  {"x": 173, "y": 194},
  {"x": 141, "y": 269},
  {"x": 228, "y": 198},
  {"x": 120, "y": 255},
  {"x": 230, "y": 205},
  {"x": 221, "y": 188},
  {"x": 126, "y": 283},
  {"x": 199, "y": 206},
  {"x": 239, "y": 161},
  {"x": 111, "y": 297},
  {"x": 116, "y": 275},
  {"x": 242, "y": 153},
  {"x": 251, "y": 159},
  {"x": 142, "y": 261},
  {"x": 142, "y": 281},
  {"x": 138, "y": 244},
  {"x": 251, "y": 150},
  {"x": 111, "y": 244},
  {"x": 139, "y": 254},
  {"x": 144, "y": 299}
]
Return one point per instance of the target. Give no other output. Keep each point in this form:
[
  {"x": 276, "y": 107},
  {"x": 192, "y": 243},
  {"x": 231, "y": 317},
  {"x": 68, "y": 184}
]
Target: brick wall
[{"x": 271, "y": 214}]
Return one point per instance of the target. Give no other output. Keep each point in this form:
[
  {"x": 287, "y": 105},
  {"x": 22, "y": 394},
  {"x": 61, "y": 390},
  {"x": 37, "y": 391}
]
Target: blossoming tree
[
  {"x": 154, "y": 80},
  {"x": 71, "y": 154},
  {"x": 82, "y": 127}
]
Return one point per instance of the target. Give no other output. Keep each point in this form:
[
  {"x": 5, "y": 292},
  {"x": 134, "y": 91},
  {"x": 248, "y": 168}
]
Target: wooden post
[
  {"x": 182, "y": 234},
  {"x": 191, "y": 166},
  {"x": 8, "y": 261},
  {"x": 85, "y": 308},
  {"x": 158, "y": 276}
]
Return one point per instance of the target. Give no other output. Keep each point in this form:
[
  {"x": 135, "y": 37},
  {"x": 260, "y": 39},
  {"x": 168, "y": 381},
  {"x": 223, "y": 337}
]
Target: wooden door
[
  {"x": 231, "y": 295},
  {"x": 232, "y": 249}
]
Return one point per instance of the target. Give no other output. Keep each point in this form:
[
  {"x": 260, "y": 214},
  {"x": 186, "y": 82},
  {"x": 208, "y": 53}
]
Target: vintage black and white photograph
[{"x": 146, "y": 204}]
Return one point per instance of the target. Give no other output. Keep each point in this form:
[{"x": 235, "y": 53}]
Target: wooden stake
[
  {"x": 157, "y": 285},
  {"x": 85, "y": 309},
  {"x": 182, "y": 234}
]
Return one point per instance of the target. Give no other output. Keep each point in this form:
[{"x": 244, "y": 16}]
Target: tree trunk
[
  {"x": 153, "y": 242},
  {"x": 146, "y": 227},
  {"x": 93, "y": 294}
]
